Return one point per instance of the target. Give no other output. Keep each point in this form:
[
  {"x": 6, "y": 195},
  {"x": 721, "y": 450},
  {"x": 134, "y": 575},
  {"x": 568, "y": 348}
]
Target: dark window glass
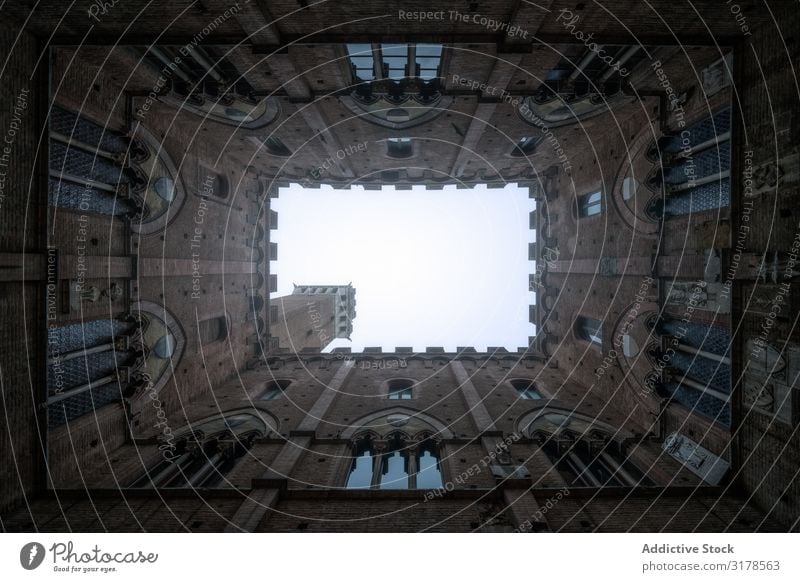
[
  {"x": 400, "y": 390},
  {"x": 276, "y": 147},
  {"x": 399, "y": 147},
  {"x": 274, "y": 389},
  {"x": 526, "y": 146},
  {"x": 526, "y": 389},
  {"x": 212, "y": 330},
  {"x": 590, "y": 330}
]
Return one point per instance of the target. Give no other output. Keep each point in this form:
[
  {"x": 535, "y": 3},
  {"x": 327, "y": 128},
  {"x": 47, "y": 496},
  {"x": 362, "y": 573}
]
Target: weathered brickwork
[{"x": 611, "y": 280}]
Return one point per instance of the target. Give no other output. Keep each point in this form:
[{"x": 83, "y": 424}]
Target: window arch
[
  {"x": 163, "y": 191},
  {"x": 362, "y": 466},
  {"x": 395, "y": 462},
  {"x": 165, "y": 339},
  {"x": 581, "y": 86},
  {"x": 203, "y": 454},
  {"x": 395, "y": 465},
  {"x": 274, "y": 389},
  {"x": 411, "y": 421},
  {"x": 235, "y": 110},
  {"x": 104, "y": 361},
  {"x": 87, "y": 173},
  {"x": 396, "y": 85},
  {"x": 583, "y": 453},
  {"x": 429, "y": 472}
]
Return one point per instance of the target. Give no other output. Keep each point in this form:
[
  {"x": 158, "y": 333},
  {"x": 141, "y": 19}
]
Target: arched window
[
  {"x": 274, "y": 389},
  {"x": 526, "y": 389},
  {"x": 590, "y": 330},
  {"x": 212, "y": 330},
  {"x": 232, "y": 108},
  {"x": 98, "y": 362},
  {"x": 399, "y": 147},
  {"x": 429, "y": 475},
  {"x": 360, "y": 476},
  {"x": 395, "y": 463},
  {"x": 582, "y": 85},
  {"x": 87, "y": 173},
  {"x": 205, "y": 453},
  {"x": 400, "y": 390},
  {"x": 584, "y": 455},
  {"x": 213, "y": 183},
  {"x": 589, "y": 204},
  {"x": 587, "y": 464}
]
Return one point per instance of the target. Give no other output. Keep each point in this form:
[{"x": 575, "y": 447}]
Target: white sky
[{"x": 431, "y": 268}]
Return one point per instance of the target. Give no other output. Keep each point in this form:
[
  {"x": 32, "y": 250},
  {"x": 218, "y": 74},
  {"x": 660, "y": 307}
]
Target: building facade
[{"x": 150, "y": 386}]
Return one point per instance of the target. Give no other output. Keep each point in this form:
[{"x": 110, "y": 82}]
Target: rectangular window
[
  {"x": 270, "y": 394},
  {"x": 589, "y": 204},
  {"x": 397, "y": 61},
  {"x": 526, "y": 390},
  {"x": 400, "y": 392},
  {"x": 399, "y": 147},
  {"x": 274, "y": 389}
]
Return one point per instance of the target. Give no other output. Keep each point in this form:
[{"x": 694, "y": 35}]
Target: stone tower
[{"x": 311, "y": 317}]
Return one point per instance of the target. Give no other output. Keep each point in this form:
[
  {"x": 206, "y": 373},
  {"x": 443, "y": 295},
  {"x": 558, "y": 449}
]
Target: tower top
[{"x": 344, "y": 304}]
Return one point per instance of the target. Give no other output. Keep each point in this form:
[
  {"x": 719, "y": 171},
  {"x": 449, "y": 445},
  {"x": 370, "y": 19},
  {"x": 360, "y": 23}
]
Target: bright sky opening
[{"x": 441, "y": 268}]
